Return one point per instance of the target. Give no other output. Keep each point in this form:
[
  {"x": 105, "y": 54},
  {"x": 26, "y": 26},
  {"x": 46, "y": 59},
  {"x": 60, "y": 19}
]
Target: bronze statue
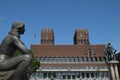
[
  {"x": 110, "y": 52},
  {"x": 8, "y": 46}
]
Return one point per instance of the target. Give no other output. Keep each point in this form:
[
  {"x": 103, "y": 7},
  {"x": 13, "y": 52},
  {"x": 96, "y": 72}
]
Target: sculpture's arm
[{"x": 20, "y": 45}]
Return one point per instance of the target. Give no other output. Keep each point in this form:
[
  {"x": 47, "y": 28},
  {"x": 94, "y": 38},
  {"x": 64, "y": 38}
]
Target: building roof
[{"x": 67, "y": 50}]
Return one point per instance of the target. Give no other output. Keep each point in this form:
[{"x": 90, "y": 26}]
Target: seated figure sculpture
[{"x": 8, "y": 46}]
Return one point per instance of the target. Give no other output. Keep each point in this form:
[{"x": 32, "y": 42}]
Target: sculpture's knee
[{"x": 28, "y": 58}]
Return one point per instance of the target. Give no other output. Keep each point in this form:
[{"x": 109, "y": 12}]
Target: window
[
  {"x": 72, "y": 59},
  {"x": 106, "y": 74},
  {"x": 90, "y": 51},
  {"x": 41, "y": 59},
  {"x": 73, "y": 76},
  {"x": 83, "y": 75},
  {"x": 81, "y": 41},
  {"x": 68, "y": 76},
  {"x": 86, "y": 59},
  {"x": 95, "y": 59},
  {"x": 92, "y": 75},
  {"x": 63, "y": 60},
  {"x": 44, "y": 75},
  {"x": 51, "y": 41},
  {"x": 87, "y": 75},
  {"x": 45, "y": 59},
  {"x": 78, "y": 41},
  {"x": 68, "y": 59},
  {"x": 91, "y": 59},
  {"x": 82, "y": 59},
  {"x": 59, "y": 59},
  {"x": 77, "y": 59},
  {"x": 97, "y": 74},
  {"x": 100, "y": 59},
  {"x": 54, "y": 60},
  {"x": 77, "y": 74},
  {"x": 50, "y": 59}
]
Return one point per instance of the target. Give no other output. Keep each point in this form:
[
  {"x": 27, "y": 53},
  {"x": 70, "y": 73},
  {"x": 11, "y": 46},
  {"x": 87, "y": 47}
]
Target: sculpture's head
[
  {"x": 109, "y": 44},
  {"x": 17, "y": 28}
]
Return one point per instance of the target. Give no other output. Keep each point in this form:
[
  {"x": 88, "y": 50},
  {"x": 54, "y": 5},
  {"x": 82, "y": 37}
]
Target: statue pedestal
[{"x": 114, "y": 69}]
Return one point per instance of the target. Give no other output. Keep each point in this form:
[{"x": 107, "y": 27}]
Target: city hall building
[{"x": 80, "y": 61}]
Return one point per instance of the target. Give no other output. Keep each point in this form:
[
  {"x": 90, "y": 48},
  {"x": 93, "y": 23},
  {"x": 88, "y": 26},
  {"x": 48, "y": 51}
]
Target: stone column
[
  {"x": 116, "y": 72},
  {"x": 47, "y": 76},
  {"x": 71, "y": 76},
  {"x": 112, "y": 72},
  {"x": 66, "y": 76}
]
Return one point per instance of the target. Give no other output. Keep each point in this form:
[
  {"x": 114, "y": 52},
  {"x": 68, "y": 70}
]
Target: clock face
[{"x": 81, "y": 35}]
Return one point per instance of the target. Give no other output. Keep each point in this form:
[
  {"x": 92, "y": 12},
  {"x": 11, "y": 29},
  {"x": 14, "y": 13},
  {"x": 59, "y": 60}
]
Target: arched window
[
  {"x": 87, "y": 75},
  {"x": 92, "y": 75},
  {"x": 95, "y": 59},
  {"x": 83, "y": 75},
  {"x": 100, "y": 59},
  {"x": 91, "y": 59},
  {"x": 86, "y": 59}
]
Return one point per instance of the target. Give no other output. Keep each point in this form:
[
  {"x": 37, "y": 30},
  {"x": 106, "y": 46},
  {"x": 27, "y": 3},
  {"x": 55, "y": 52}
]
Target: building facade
[{"x": 80, "y": 61}]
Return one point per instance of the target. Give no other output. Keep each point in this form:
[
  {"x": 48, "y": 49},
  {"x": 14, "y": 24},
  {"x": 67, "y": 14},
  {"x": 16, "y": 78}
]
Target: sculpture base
[{"x": 113, "y": 62}]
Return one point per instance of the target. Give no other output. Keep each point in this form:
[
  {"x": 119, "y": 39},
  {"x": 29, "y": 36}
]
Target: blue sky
[{"x": 100, "y": 17}]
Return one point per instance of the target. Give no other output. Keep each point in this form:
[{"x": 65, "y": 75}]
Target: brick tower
[
  {"x": 47, "y": 36},
  {"x": 81, "y": 37}
]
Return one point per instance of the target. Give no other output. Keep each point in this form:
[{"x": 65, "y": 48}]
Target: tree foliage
[{"x": 35, "y": 62}]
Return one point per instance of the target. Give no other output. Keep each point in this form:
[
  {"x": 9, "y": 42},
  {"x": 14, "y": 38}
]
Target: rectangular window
[
  {"x": 63, "y": 60},
  {"x": 45, "y": 59},
  {"x": 41, "y": 59},
  {"x": 77, "y": 59},
  {"x": 68, "y": 59},
  {"x": 54, "y": 60},
  {"x": 82, "y": 59},
  {"x": 59, "y": 59},
  {"x": 50, "y": 59},
  {"x": 72, "y": 59}
]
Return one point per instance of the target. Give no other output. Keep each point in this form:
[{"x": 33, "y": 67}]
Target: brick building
[{"x": 80, "y": 61}]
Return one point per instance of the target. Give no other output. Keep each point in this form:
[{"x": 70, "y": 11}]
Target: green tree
[{"x": 35, "y": 62}]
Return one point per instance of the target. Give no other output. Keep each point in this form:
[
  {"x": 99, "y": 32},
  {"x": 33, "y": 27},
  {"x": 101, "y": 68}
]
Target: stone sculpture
[{"x": 19, "y": 65}]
